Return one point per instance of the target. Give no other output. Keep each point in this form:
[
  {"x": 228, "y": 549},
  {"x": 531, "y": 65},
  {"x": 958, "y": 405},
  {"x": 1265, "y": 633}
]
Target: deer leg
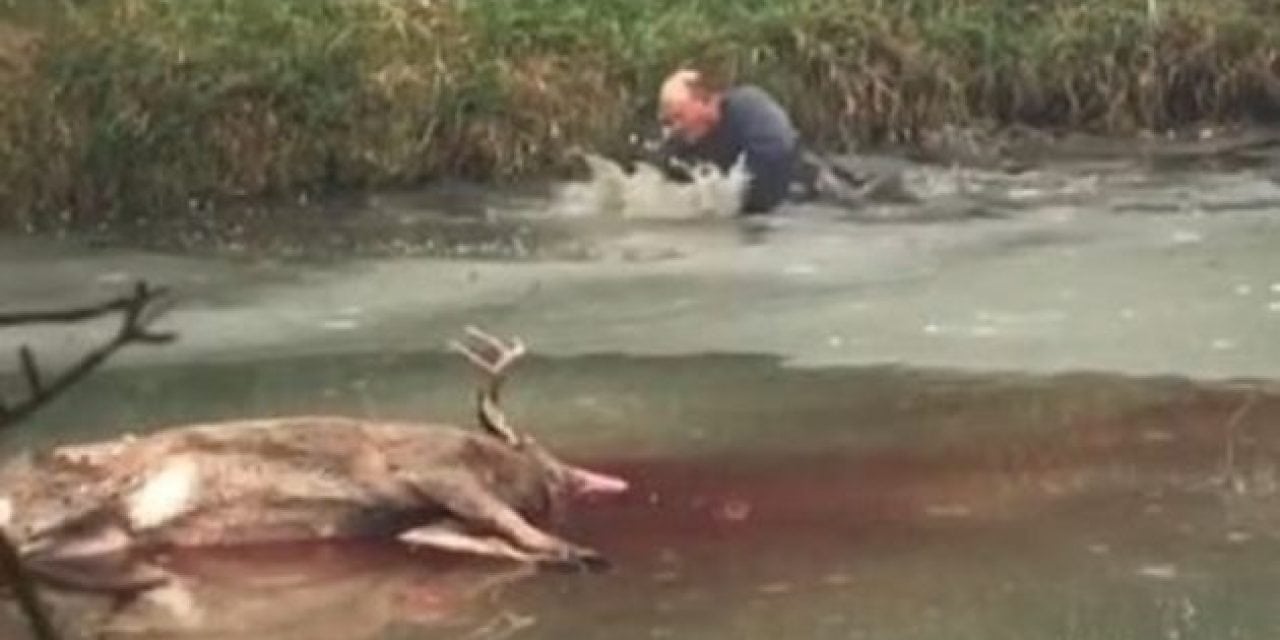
[
  {"x": 95, "y": 556},
  {"x": 452, "y": 537},
  {"x": 480, "y": 510},
  {"x": 102, "y": 577}
]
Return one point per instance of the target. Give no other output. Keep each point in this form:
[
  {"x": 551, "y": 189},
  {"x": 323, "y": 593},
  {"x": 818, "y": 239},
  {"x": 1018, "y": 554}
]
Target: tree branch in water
[
  {"x": 24, "y": 589},
  {"x": 139, "y": 310}
]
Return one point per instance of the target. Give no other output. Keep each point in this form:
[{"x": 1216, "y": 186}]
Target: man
[{"x": 701, "y": 123}]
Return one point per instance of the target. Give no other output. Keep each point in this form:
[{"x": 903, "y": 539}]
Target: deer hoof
[{"x": 576, "y": 561}]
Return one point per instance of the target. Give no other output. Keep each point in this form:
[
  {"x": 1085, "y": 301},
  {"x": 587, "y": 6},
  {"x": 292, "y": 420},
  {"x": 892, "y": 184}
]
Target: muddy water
[{"x": 773, "y": 502}]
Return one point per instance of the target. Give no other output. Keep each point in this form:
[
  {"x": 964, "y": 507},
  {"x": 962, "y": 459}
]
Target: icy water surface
[
  {"x": 771, "y": 501},
  {"x": 1031, "y": 406}
]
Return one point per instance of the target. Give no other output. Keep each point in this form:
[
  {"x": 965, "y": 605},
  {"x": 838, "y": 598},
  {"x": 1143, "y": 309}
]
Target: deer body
[{"x": 297, "y": 478}]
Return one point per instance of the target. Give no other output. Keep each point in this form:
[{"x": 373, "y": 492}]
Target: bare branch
[
  {"x": 65, "y": 315},
  {"x": 30, "y": 369},
  {"x": 139, "y": 310}
]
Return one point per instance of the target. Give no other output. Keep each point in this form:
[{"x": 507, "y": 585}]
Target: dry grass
[{"x": 144, "y": 107}]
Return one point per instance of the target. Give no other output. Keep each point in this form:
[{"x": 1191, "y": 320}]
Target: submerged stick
[
  {"x": 25, "y": 591},
  {"x": 1229, "y": 475}
]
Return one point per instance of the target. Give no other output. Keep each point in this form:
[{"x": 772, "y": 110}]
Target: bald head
[
  {"x": 685, "y": 106},
  {"x": 679, "y": 86}
]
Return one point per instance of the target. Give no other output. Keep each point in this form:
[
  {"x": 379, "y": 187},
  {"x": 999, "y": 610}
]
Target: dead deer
[{"x": 83, "y": 515}]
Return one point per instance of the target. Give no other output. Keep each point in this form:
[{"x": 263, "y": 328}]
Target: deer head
[{"x": 493, "y": 360}]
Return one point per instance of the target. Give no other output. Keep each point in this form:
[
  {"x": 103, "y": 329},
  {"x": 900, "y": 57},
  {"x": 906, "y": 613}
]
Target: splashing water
[{"x": 647, "y": 194}]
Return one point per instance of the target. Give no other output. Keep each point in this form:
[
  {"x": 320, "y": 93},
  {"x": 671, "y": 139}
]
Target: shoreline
[
  {"x": 140, "y": 108},
  {"x": 451, "y": 218}
]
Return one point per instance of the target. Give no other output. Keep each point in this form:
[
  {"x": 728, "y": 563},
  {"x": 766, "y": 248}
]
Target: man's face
[{"x": 688, "y": 116}]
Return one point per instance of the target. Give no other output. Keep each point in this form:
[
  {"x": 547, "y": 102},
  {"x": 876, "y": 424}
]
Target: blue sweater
[{"x": 751, "y": 122}]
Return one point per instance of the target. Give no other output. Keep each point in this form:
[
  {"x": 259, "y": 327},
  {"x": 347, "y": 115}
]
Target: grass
[{"x": 113, "y": 108}]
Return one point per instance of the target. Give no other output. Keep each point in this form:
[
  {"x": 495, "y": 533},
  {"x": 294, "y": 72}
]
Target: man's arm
[
  {"x": 771, "y": 170},
  {"x": 760, "y": 127}
]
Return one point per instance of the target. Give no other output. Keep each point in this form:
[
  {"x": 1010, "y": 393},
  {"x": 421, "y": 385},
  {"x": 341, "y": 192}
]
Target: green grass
[{"x": 143, "y": 107}]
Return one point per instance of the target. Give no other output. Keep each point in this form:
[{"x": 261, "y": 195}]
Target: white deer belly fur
[
  {"x": 165, "y": 495},
  {"x": 6, "y": 513}
]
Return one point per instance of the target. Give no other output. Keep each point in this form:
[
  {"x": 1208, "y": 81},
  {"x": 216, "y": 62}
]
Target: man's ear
[{"x": 702, "y": 93}]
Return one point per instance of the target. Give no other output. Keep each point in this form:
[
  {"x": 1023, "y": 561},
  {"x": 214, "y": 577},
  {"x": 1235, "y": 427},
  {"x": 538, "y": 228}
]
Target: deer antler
[{"x": 502, "y": 356}]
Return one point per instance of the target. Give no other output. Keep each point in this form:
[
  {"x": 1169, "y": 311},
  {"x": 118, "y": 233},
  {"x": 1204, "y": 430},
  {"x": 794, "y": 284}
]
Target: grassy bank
[{"x": 141, "y": 107}]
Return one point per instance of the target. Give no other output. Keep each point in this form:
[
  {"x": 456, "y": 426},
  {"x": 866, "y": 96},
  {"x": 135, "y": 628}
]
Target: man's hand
[{"x": 663, "y": 153}]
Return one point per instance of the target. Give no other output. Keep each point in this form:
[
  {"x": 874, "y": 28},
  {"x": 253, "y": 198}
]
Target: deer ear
[{"x": 495, "y": 422}]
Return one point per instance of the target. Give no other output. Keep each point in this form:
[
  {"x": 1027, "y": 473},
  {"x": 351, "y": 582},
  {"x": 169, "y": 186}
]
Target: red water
[{"x": 1109, "y": 508}]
